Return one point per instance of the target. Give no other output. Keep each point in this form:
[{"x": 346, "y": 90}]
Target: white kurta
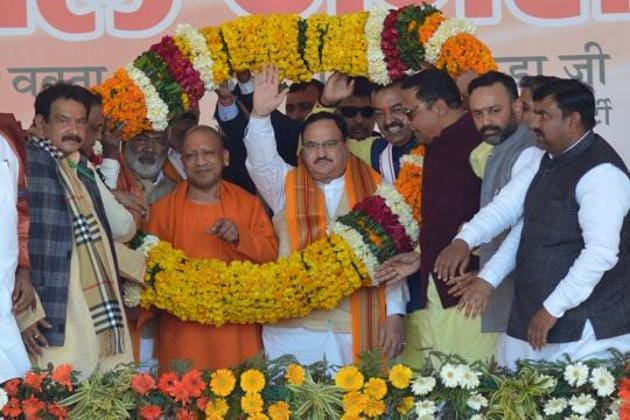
[
  {"x": 603, "y": 197},
  {"x": 13, "y": 357},
  {"x": 269, "y": 171}
]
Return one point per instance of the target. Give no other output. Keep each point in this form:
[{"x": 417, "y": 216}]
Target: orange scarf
[{"x": 306, "y": 220}]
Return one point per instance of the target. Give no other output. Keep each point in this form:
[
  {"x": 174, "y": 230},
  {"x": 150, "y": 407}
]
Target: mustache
[
  {"x": 490, "y": 128},
  {"x": 387, "y": 127},
  {"x": 324, "y": 158},
  {"x": 538, "y": 133},
  {"x": 72, "y": 137}
]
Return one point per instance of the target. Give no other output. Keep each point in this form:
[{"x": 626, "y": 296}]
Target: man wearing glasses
[
  {"x": 450, "y": 195},
  {"x": 326, "y": 183}
]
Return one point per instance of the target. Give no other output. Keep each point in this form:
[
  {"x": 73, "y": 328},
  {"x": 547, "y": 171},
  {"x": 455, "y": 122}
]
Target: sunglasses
[{"x": 352, "y": 111}]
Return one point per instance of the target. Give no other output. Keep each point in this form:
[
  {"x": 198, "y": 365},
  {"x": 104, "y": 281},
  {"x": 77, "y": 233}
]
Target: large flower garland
[
  {"x": 281, "y": 389},
  {"x": 173, "y": 75},
  {"x": 215, "y": 292}
]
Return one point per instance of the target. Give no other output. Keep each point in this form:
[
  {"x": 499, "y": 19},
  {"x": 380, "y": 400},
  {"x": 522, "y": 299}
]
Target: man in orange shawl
[
  {"x": 327, "y": 182},
  {"x": 208, "y": 217}
]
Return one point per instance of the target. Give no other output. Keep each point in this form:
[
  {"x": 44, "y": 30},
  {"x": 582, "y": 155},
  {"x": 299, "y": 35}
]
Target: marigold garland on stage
[
  {"x": 215, "y": 292},
  {"x": 384, "y": 45}
]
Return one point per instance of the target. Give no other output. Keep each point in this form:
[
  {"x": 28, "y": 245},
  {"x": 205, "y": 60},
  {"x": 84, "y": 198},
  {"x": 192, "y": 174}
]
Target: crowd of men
[{"x": 524, "y": 221}]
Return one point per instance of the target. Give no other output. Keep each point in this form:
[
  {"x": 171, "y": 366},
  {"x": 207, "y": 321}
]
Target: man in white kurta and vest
[
  {"x": 497, "y": 111},
  {"x": 570, "y": 248},
  {"x": 13, "y": 247},
  {"x": 327, "y": 182}
]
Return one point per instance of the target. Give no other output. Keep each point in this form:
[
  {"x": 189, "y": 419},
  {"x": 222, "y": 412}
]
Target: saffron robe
[{"x": 184, "y": 223}]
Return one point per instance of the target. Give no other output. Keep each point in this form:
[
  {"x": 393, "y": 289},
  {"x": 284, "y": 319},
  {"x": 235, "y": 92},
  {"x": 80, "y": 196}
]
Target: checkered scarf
[{"x": 96, "y": 268}]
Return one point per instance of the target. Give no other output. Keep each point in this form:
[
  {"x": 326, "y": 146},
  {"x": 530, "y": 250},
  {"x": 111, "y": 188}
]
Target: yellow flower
[
  {"x": 279, "y": 411},
  {"x": 351, "y": 416},
  {"x": 354, "y": 402},
  {"x": 295, "y": 374},
  {"x": 405, "y": 405},
  {"x": 252, "y": 403},
  {"x": 400, "y": 375},
  {"x": 222, "y": 382},
  {"x": 217, "y": 408},
  {"x": 349, "y": 379},
  {"x": 376, "y": 388},
  {"x": 258, "y": 416},
  {"x": 252, "y": 381},
  {"x": 374, "y": 407}
]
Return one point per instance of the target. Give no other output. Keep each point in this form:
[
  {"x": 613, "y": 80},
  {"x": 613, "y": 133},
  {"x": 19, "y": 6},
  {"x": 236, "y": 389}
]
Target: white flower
[
  {"x": 547, "y": 382},
  {"x": 574, "y": 417},
  {"x": 468, "y": 379},
  {"x": 422, "y": 385},
  {"x": 615, "y": 404},
  {"x": 400, "y": 208},
  {"x": 201, "y": 59},
  {"x": 148, "y": 242},
  {"x": 603, "y": 382},
  {"x": 131, "y": 293},
  {"x": 476, "y": 417},
  {"x": 612, "y": 416},
  {"x": 555, "y": 406},
  {"x": 425, "y": 408},
  {"x": 97, "y": 148},
  {"x": 449, "y": 374},
  {"x": 576, "y": 374},
  {"x": 360, "y": 248},
  {"x": 377, "y": 67},
  {"x": 4, "y": 398},
  {"x": 157, "y": 109},
  {"x": 446, "y": 30},
  {"x": 477, "y": 401},
  {"x": 582, "y": 404}
]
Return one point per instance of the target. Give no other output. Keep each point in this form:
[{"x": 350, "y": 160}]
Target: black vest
[{"x": 552, "y": 240}]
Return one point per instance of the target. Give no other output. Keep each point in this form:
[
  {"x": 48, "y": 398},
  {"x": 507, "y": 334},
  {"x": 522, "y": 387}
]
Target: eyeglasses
[
  {"x": 311, "y": 146},
  {"x": 411, "y": 113},
  {"x": 396, "y": 110},
  {"x": 352, "y": 111}
]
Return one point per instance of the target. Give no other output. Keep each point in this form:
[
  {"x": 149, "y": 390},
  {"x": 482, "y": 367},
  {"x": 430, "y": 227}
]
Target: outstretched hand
[
  {"x": 267, "y": 96},
  {"x": 475, "y": 298},
  {"x": 398, "y": 267},
  {"x": 337, "y": 88},
  {"x": 453, "y": 260}
]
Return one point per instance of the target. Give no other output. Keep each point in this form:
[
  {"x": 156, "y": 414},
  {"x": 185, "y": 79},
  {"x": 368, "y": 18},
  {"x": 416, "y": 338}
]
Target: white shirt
[
  {"x": 176, "y": 160},
  {"x": 268, "y": 171},
  {"x": 13, "y": 358},
  {"x": 603, "y": 197}
]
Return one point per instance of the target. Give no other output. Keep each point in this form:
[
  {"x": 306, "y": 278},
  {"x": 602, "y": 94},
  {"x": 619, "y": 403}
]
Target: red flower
[
  {"x": 624, "y": 389},
  {"x": 12, "y": 387},
  {"x": 33, "y": 407},
  {"x": 12, "y": 409},
  {"x": 202, "y": 403},
  {"x": 34, "y": 380},
  {"x": 150, "y": 412},
  {"x": 142, "y": 383},
  {"x": 166, "y": 382},
  {"x": 194, "y": 382},
  {"x": 59, "y": 412},
  {"x": 183, "y": 414},
  {"x": 180, "y": 392},
  {"x": 63, "y": 375}
]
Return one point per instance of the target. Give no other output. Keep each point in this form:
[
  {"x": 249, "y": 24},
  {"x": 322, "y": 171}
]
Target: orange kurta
[{"x": 184, "y": 223}]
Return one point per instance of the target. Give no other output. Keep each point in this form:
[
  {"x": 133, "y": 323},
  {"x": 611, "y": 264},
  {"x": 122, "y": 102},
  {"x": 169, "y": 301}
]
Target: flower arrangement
[
  {"x": 173, "y": 74},
  {"x": 445, "y": 387},
  {"x": 215, "y": 292}
]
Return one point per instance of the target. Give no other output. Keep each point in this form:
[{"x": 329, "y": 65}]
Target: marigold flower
[
  {"x": 349, "y": 379},
  {"x": 354, "y": 402},
  {"x": 252, "y": 403},
  {"x": 405, "y": 405},
  {"x": 374, "y": 407},
  {"x": 150, "y": 412},
  {"x": 252, "y": 381},
  {"x": 142, "y": 383},
  {"x": 400, "y": 376},
  {"x": 376, "y": 388},
  {"x": 295, "y": 374},
  {"x": 279, "y": 411},
  {"x": 222, "y": 382},
  {"x": 217, "y": 407}
]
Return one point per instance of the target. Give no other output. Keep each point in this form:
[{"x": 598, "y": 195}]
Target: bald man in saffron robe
[{"x": 208, "y": 217}]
